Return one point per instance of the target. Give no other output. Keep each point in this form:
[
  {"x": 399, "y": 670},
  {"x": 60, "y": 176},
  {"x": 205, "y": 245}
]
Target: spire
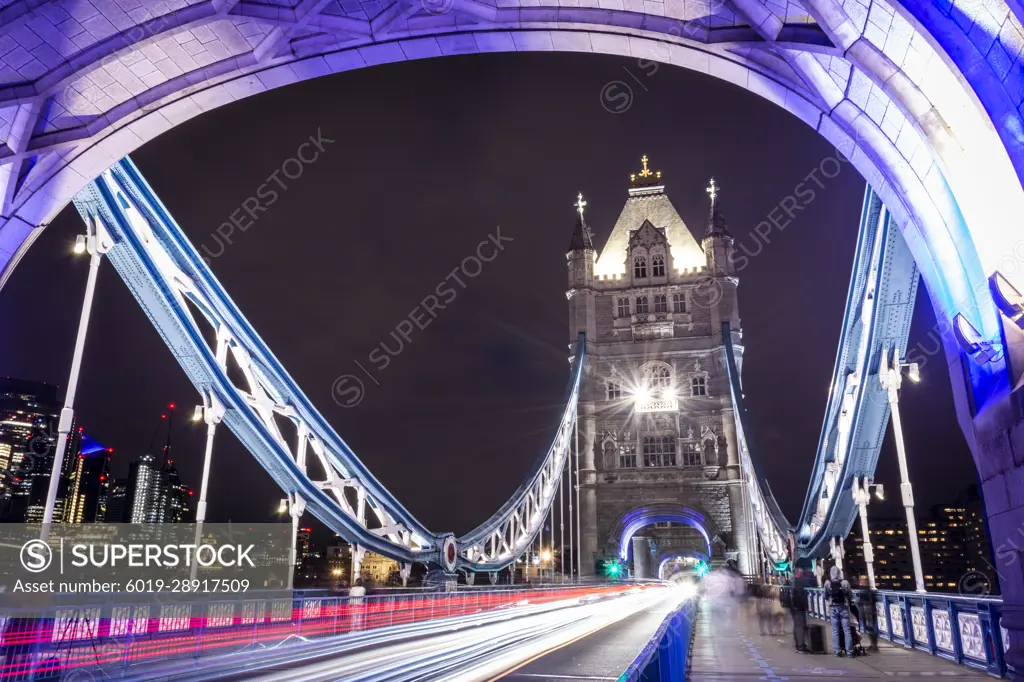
[
  {"x": 581, "y": 236},
  {"x": 646, "y": 180},
  {"x": 716, "y": 223}
]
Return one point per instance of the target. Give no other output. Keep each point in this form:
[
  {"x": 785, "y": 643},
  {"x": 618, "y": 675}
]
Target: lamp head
[
  {"x": 80, "y": 244},
  {"x": 914, "y": 372},
  {"x": 879, "y": 491},
  {"x": 197, "y": 415}
]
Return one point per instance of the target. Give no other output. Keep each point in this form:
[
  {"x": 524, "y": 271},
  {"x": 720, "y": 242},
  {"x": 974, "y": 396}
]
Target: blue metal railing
[
  {"x": 965, "y": 630},
  {"x": 666, "y": 655}
]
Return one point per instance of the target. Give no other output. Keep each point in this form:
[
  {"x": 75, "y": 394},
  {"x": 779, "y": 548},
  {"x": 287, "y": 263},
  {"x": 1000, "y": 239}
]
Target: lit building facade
[
  {"x": 655, "y": 411},
  {"x": 29, "y": 412},
  {"x": 955, "y": 551},
  {"x": 88, "y": 484}
]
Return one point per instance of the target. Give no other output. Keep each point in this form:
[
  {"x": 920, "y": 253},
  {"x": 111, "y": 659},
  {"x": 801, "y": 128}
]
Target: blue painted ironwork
[
  {"x": 879, "y": 306},
  {"x": 665, "y": 655},
  {"x": 964, "y": 630},
  {"x": 180, "y": 294}
]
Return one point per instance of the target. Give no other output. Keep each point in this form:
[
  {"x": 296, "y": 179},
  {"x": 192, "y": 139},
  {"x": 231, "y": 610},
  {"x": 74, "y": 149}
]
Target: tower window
[
  {"x": 614, "y": 391},
  {"x": 641, "y": 304},
  {"x": 640, "y": 267},
  {"x": 660, "y": 303},
  {"x": 699, "y": 386},
  {"x": 627, "y": 456},
  {"x": 658, "y": 265},
  {"x": 691, "y": 455},
  {"x": 623, "y": 307},
  {"x": 659, "y": 451},
  {"x": 679, "y": 303}
]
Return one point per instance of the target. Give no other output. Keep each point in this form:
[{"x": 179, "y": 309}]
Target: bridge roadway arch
[{"x": 923, "y": 98}]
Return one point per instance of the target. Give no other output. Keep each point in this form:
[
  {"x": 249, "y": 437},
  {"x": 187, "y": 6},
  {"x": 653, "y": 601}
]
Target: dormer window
[
  {"x": 660, "y": 303},
  {"x": 641, "y": 304},
  {"x": 658, "y": 265},
  {"x": 679, "y": 303},
  {"x": 640, "y": 267}
]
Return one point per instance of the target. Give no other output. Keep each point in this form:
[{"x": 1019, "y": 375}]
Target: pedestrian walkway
[{"x": 727, "y": 649}]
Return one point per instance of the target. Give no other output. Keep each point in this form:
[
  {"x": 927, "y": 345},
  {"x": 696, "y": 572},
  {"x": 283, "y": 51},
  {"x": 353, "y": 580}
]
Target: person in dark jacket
[{"x": 798, "y": 607}]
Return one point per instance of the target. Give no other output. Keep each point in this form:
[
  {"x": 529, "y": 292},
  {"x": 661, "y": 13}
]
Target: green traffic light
[{"x": 613, "y": 569}]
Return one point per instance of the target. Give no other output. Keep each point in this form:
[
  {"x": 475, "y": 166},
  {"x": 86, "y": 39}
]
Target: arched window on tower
[
  {"x": 657, "y": 265},
  {"x": 698, "y": 386},
  {"x": 614, "y": 391},
  {"x": 639, "y": 267},
  {"x": 660, "y": 303},
  {"x": 641, "y": 304},
  {"x": 679, "y": 303}
]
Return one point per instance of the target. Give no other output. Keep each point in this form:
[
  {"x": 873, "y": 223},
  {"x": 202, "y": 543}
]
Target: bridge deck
[
  {"x": 726, "y": 651},
  {"x": 602, "y": 655}
]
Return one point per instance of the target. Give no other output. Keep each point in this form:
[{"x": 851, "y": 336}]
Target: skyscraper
[
  {"x": 88, "y": 483},
  {"x": 28, "y": 429}
]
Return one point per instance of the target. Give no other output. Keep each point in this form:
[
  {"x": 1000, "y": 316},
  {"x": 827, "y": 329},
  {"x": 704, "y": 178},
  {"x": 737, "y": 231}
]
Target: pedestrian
[
  {"x": 798, "y": 607},
  {"x": 839, "y": 597},
  {"x": 355, "y": 600},
  {"x": 764, "y": 610}
]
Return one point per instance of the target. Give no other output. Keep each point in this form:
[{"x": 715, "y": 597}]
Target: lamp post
[
  {"x": 891, "y": 376},
  {"x": 96, "y": 241},
  {"x": 861, "y": 489},
  {"x": 211, "y": 411}
]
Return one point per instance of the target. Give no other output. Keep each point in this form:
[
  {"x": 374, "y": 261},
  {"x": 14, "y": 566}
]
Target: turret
[
  {"x": 717, "y": 242},
  {"x": 580, "y": 260}
]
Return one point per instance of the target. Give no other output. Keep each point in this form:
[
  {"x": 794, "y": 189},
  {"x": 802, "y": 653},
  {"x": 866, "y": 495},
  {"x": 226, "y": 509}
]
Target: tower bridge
[{"x": 653, "y": 449}]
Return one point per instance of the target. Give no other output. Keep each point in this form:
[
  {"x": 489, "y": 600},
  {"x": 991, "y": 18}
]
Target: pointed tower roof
[
  {"x": 581, "y": 236},
  {"x": 648, "y": 201},
  {"x": 716, "y": 226}
]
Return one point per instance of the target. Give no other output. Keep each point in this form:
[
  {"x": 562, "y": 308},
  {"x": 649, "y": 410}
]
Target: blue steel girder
[
  {"x": 315, "y": 467},
  {"x": 879, "y": 307}
]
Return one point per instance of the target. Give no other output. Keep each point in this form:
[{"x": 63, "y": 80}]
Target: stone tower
[{"x": 659, "y": 463}]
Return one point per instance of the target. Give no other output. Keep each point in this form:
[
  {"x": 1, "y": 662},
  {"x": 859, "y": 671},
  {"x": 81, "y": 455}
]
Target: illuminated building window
[
  {"x": 659, "y": 451},
  {"x": 657, "y": 265},
  {"x": 640, "y": 267},
  {"x": 660, "y": 303},
  {"x": 623, "y": 307},
  {"x": 614, "y": 391},
  {"x": 679, "y": 303},
  {"x": 641, "y": 304},
  {"x": 627, "y": 455}
]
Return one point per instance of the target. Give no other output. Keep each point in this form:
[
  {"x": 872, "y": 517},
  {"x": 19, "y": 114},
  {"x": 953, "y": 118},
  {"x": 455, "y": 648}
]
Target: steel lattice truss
[
  {"x": 879, "y": 307},
  {"x": 245, "y": 385},
  {"x": 508, "y": 533}
]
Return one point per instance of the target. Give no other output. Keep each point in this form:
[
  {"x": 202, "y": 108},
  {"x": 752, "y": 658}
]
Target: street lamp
[
  {"x": 96, "y": 241},
  {"x": 891, "y": 375},
  {"x": 862, "y": 489}
]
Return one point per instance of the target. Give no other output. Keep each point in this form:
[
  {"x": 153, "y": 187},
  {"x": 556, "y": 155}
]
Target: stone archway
[
  {"x": 923, "y": 100},
  {"x": 631, "y": 522}
]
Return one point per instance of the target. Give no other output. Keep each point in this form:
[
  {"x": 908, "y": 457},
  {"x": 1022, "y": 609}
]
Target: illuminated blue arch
[
  {"x": 645, "y": 516},
  {"x": 678, "y": 553}
]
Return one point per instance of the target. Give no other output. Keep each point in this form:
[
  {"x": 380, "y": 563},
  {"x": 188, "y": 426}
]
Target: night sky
[{"x": 428, "y": 158}]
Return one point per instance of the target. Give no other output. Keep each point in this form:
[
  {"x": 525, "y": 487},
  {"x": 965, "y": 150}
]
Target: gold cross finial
[
  {"x": 646, "y": 172},
  {"x": 713, "y": 191},
  {"x": 580, "y": 204}
]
